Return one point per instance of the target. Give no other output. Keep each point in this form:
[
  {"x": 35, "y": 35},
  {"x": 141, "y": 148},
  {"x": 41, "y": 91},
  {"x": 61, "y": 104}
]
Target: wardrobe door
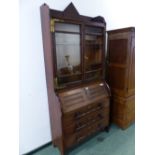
[{"x": 118, "y": 60}]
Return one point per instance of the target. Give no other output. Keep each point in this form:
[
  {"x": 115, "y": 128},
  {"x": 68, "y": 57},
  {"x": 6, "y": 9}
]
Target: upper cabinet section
[{"x": 78, "y": 47}]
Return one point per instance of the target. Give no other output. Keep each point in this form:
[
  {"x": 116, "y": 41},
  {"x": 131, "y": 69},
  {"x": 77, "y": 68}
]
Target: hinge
[{"x": 52, "y": 23}]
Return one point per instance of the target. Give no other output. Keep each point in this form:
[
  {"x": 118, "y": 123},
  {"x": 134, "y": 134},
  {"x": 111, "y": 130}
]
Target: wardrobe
[{"x": 121, "y": 75}]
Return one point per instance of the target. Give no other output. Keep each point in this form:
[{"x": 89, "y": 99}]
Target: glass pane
[
  {"x": 68, "y": 57},
  {"x": 93, "y": 30},
  {"x": 64, "y": 38},
  {"x": 93, "y": 52},
  {"x": 67, "y": 27}
]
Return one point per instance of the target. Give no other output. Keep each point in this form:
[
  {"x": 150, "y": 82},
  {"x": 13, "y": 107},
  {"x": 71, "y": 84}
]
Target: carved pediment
[{"x": 71, "y": 11}]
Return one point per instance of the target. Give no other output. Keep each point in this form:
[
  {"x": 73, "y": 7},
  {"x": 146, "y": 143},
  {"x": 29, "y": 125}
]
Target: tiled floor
[{"x": 116, "y": 142}]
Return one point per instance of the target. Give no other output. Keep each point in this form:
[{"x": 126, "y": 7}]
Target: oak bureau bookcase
[{"x": 74, "y": 54}]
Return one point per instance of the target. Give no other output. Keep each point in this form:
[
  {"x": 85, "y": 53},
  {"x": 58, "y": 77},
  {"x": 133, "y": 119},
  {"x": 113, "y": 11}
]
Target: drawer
[
  {"x": 69, "y": 118},
  {"x": 80, "y": 124},
  {"x": 77, "y": 137}
]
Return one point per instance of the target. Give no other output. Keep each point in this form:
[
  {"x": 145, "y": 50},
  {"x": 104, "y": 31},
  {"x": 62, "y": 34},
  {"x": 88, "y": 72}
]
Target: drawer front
[
  {"x": 91, "y": 118},
  {"x": 68, "y": 119},
  {"x": 78, "y": 136}
]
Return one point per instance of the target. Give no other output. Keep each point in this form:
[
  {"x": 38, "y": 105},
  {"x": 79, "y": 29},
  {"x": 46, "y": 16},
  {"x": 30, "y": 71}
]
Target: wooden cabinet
[
  {"x": 74, "y": 54},
  {"x": 121, "y": 75}
]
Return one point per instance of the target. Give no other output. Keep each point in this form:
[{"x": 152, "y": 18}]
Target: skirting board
[{"x": 38, "y": 149}]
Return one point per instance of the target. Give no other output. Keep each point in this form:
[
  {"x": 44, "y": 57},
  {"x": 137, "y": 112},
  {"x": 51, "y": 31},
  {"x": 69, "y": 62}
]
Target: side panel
[{"x": 54, "y": 104}]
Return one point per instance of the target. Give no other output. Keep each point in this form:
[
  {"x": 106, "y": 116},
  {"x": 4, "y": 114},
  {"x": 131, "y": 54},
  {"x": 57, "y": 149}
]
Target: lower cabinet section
[
  {"x": 123, "y": 111},
  {"x": 85, "y": 111},
  {"x": 78, "y": 136},
  {"x": 78, "y": 128}
]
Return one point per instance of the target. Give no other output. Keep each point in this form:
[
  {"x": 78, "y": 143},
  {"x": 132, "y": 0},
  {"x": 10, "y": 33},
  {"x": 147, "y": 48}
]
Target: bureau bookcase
[{"x": 74, "y": 55}]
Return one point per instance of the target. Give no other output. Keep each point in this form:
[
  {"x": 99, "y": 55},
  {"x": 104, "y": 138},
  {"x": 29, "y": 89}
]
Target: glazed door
[
  {"x": 93, "y": 52},
  {"x": 68, "y": 53}
]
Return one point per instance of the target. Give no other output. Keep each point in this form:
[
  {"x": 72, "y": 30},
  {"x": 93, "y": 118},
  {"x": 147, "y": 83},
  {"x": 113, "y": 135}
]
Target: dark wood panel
[
  {"x": 116, "y": 77},
  {"x": 118, "y": 51}
]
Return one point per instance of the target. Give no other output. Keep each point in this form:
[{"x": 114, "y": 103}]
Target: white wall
[{"x": 34, "y": 115}]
